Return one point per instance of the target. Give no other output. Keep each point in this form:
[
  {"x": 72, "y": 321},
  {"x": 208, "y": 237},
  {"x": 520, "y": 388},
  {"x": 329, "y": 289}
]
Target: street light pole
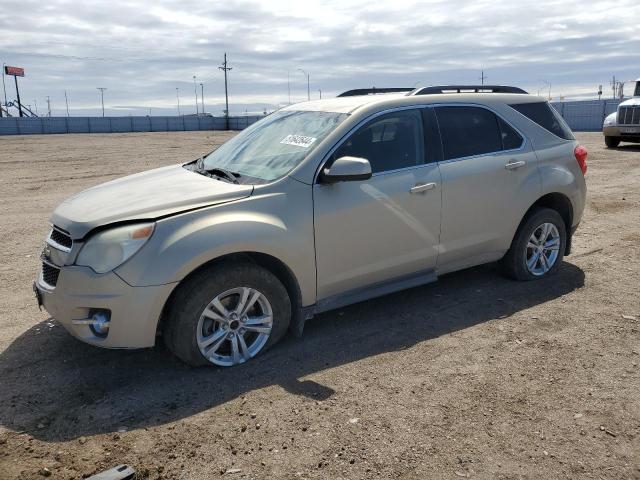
[
  {"x": 202, "y": 96},
  {"x": 66, "y": 102},
  {"x": 308, "y": 90},
  {"x": 195, "y": 91},
  {"x": 102, "y": 89},
  {"x": 178, "y": 97}
]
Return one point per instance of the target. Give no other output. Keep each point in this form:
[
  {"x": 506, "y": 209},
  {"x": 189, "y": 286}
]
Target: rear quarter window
[{"x": 546, "y": 116}]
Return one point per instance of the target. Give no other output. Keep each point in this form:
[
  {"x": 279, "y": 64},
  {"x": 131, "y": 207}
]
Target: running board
[{"x": 367, "y": 293}]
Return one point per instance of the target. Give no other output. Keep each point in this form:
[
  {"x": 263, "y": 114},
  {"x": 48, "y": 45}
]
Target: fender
[{"x": 182, "y": 243}]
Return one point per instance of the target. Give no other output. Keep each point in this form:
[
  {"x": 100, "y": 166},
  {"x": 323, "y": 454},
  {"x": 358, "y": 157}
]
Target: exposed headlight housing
[{"x": 109, "y": 249}]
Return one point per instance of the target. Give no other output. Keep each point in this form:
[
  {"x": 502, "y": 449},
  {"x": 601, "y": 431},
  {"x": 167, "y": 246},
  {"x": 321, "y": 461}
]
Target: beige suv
[{"x": 319, "y": 205}]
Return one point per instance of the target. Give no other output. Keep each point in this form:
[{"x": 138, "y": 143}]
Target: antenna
[{"x": 225, "y": 69}]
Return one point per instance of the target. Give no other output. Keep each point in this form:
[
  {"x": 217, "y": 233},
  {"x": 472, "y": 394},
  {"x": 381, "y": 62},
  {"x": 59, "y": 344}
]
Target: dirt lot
[{"x": 474, "y": 376}]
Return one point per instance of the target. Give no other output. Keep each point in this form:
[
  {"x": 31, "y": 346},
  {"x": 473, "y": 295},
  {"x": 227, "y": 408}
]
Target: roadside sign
[{"x": 15, "y": 71}]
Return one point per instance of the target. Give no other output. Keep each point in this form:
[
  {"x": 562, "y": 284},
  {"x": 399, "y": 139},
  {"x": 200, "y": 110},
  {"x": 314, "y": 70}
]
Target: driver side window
[{"x": 390, "y": 142}]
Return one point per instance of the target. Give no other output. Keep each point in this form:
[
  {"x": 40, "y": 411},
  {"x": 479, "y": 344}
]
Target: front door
[{"x": 387, "y": 227}]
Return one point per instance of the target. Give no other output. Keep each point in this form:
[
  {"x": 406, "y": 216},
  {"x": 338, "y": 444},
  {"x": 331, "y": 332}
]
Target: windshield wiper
[{"x": 218, "y": 172}]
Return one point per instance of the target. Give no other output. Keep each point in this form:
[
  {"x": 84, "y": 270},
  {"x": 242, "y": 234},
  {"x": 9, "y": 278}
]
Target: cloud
[{"x": 142, "y": 51}]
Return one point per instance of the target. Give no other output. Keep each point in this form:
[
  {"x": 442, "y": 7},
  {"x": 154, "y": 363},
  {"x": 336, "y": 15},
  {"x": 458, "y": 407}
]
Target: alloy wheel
[
  {"x": 234, "y": 326},
  {"x": 542, "y": 249}
]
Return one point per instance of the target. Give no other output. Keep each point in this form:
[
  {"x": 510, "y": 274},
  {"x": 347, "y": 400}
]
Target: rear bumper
[{"x": 135, "y": 311}]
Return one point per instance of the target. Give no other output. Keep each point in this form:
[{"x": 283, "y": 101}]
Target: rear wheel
[
  {"x": 612, "y": 142},
  {"x": 538, "y": 246},
  {"x": 227, "y": 314}
]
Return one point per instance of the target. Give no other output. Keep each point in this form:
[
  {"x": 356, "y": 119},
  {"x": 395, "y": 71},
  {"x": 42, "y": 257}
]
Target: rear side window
[
  {"x": 511, "y": 139},
  {"x": 468, "y": 131},
  {"x": 545, "y": 115}
]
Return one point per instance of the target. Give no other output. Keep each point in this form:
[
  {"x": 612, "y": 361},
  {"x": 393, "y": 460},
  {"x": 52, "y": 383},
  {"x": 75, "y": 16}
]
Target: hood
[
  {"x": 635, "y": 101},
  {"x": 147, "y": 195}
]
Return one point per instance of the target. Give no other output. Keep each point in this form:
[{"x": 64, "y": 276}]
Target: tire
[
  {"x": 514, "y": 263},
  {"x": 612, "y": 142},
  {"x": 227, "y": 282}
]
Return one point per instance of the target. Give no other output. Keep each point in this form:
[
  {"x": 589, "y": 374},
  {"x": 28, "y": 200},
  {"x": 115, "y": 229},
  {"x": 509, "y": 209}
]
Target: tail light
[{"x": 581, "y": 157}]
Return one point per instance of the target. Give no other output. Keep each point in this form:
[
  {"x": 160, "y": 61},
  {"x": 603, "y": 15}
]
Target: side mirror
[{"x": 347, "y": 169}]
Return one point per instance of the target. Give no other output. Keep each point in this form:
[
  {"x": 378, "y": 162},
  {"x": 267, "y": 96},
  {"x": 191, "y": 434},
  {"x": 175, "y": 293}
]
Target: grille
[
  {"x": 61, "y": 238},
  {"x": 629, "y": 116},
  {"x": 50, "y": 274}
]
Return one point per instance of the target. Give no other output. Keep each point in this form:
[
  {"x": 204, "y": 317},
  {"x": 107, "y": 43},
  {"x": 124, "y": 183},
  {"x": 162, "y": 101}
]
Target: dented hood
[{"x": 147, "y": 195}]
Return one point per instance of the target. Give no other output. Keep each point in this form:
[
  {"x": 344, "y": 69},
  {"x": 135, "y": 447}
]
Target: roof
[
  {"x": 350, "y": 104},
  {"x": 341, "y": 104}
]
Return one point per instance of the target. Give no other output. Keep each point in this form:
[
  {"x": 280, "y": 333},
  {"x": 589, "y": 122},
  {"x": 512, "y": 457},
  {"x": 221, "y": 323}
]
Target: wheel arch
[
  {"x": 560, "y": 203},
  {"x": 274, "y": 265}
]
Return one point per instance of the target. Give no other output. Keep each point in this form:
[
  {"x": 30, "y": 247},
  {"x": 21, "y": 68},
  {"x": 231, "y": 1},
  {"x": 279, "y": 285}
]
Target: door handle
[
  {"x": 514, "y": 165},
  {"x": 423, "y": 187}
]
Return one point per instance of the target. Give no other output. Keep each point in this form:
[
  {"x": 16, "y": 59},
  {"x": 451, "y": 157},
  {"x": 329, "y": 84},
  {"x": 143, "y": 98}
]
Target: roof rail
[
  {"x": 466, "y": 89},
  {"x": 374, "y": 90}
]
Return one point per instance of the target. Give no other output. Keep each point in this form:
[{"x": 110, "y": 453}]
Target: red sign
[{"x": 15, "y": 71}]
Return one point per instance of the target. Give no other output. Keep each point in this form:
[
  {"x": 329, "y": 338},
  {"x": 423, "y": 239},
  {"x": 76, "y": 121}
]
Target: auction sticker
[{"x": 298, "y": 140}]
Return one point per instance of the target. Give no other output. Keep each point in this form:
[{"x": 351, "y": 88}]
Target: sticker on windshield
[{"x": 298, "y": 140}]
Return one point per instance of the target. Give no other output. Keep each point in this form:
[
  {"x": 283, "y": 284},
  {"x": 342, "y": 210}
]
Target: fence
[
  {"x": 46, "y": 125},
  {"x": 586, "y": 115}
]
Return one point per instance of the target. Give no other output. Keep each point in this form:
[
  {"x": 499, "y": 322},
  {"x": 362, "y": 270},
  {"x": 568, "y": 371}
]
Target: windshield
[{"x": 272, "y": 147}]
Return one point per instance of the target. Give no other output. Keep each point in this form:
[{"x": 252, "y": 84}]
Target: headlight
[
  {"x": 109, "y": 249},
  {"x": 611, "y": 119}
]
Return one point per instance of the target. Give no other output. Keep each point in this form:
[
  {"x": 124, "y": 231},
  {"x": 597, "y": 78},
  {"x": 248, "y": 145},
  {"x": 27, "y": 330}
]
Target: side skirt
[{"x": 365, "y": 293}]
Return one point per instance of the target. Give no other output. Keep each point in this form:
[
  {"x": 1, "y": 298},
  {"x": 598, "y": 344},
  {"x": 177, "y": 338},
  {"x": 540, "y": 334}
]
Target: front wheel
[
  {"x": 612, "y": 142},
  {"x": 538, "y": 246},
  {"x": 227, "y": 314}
]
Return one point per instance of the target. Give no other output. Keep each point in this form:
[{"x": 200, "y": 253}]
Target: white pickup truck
[{"x": 624, "y": 125}]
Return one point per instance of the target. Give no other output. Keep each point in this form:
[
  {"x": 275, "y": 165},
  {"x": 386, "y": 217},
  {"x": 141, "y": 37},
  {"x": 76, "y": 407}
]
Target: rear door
[{"x": 489, "y": 180}]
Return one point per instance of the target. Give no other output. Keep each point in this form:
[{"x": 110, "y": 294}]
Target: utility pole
[
  {"x": 35, "y": 102},
  {"x": 48, "y": 107},
  {"x": 178, "y": 97},
  {"x": 320, "y": 92},
  {"x": 195, "y": 91},
  {"x": 308, "y": 91},
  {"x": 66, "y": 102},
  {"x": 202, "y": 96},
  {"x": 613, "y": 86},
  {"x": 482, "y": 77},
  {"x": 102, "y": 89},
  {"x": 599, "y": 92},
  {"x": 225, "y": 69}
]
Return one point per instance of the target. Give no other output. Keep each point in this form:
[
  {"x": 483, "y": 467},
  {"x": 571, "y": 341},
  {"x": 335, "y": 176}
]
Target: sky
[{"x": 141, "y": 51}]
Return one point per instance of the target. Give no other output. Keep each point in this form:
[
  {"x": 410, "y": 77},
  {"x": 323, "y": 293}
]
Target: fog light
[{"x": 100, "y": 323}]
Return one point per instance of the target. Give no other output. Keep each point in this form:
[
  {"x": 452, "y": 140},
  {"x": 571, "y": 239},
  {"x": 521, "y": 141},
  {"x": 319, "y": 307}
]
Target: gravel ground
[{"x": 473, "y": 376}]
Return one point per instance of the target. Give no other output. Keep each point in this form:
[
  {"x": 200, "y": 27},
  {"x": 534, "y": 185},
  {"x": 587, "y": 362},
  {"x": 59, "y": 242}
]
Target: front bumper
[
  {"x": 627, "y": 132},
  {"x": 135, "y": 311}
]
